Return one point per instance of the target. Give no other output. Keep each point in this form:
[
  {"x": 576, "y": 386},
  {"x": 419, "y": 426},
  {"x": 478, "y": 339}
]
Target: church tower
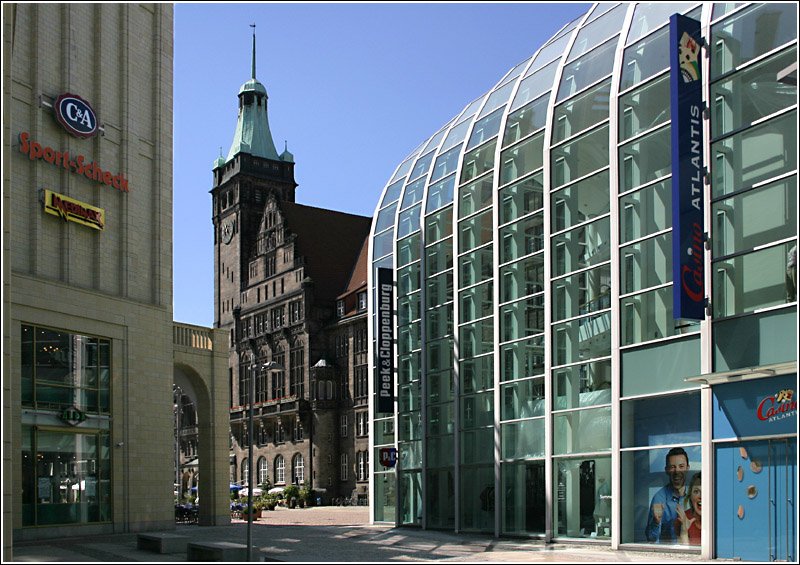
[{"x": 244, "y": 180}]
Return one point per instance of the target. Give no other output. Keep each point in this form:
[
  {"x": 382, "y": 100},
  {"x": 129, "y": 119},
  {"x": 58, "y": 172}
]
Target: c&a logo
[
  {"x": 778, "y": 406},
  {"x": 75, "y": 115}
]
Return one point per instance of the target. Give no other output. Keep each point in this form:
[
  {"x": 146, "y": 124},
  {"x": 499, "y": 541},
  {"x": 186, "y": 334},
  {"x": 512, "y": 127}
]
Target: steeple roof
[{"x": 252, "y": 134}]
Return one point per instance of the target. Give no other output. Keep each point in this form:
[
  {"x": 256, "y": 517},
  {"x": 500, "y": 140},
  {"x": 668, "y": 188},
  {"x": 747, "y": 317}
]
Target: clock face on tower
[{"x": 227, "y": 231}]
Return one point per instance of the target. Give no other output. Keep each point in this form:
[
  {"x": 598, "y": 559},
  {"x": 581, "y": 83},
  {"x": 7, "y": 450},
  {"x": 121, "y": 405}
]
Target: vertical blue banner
[
  {"x": 686, "y": 98},
  {"x": 385, "y": 339}
]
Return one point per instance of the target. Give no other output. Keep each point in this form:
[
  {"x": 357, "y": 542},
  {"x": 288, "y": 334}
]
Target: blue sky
[{"x": 353, "y": 88}]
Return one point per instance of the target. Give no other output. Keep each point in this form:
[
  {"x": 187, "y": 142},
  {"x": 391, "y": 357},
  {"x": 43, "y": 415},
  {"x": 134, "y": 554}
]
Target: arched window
[
  {"x": 263, "y": 477},
  {"x": 299, "y": 470},
  {"x": 245, "y": 471},
  {"x": 280, "y": 470}
]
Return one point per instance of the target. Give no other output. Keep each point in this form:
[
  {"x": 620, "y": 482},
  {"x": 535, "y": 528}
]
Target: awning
[{"x": 744, "y": 374}]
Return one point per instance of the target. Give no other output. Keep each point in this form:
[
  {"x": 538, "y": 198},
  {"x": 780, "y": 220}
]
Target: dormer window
[
  {"x": 340, "y": 308},
  {"x": 362, "y": 301}
]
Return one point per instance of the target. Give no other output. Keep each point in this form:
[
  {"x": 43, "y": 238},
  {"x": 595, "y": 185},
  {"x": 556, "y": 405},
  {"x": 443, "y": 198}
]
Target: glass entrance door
[{"x": 756, "y": 485}]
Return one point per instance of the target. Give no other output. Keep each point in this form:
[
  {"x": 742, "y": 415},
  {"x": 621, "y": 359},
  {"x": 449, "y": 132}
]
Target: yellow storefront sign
[{"x": 73, "y": 210}]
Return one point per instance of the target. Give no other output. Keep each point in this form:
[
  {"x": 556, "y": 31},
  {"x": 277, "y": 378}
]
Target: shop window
[
  {"x": 523, "y": 488},
  {"x": 582, "y": 498}
]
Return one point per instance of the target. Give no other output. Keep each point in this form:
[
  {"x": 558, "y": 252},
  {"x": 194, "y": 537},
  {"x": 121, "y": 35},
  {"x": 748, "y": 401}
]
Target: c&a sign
[
  {"x": 75, "y": 115},
  {"x": 72, "y": 210}
]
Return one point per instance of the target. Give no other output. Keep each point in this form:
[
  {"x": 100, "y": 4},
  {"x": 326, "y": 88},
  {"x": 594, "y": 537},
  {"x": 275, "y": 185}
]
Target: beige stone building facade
[{"x": 89, "y": 345}]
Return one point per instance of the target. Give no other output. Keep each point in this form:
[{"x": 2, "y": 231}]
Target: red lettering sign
[
  {"x": 79, "y": 166},
  {"x": 776, "y": 405}
]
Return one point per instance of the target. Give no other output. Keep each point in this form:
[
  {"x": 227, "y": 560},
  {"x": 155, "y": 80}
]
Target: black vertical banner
[{"x": 385, "y": 338}]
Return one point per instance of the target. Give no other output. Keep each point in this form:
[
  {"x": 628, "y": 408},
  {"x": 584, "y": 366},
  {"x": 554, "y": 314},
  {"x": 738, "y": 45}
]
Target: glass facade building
[{"x": 543, "y": 387}]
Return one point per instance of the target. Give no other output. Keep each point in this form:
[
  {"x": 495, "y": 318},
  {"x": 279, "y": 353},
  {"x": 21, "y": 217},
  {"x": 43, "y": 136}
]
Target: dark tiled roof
[
  {"x": 330, "y": 241},
  {"x": 358, "y": 277}
]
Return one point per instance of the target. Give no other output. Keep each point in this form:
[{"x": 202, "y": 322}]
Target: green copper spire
[{"x": 252, "y": 134}]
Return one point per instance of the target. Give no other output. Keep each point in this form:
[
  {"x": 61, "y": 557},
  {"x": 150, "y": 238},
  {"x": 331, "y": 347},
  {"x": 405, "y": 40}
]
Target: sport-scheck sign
[{"x": 78, "y": 164}]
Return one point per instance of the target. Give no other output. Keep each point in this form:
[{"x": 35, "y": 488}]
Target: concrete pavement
[{"x": 338, "y": 534}]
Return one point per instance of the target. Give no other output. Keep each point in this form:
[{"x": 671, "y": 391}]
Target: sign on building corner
[{"x": 385, "y": 339}]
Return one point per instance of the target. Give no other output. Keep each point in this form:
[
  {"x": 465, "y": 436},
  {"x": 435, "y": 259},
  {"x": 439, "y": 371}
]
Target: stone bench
[
  {"x": 162, "y": 542},
  {"x": 216, "y": 551}
]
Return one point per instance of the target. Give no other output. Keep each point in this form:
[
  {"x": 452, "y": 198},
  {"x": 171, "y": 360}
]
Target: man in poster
[{"x": 663, "y": 508}]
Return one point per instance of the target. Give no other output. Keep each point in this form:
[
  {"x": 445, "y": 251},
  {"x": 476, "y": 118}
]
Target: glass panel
[
  {"x": 756, "y": 280},
  {"x": 408, "y": 368},
  {"x": 755, "y": 218},
  {"x": 582, "y": 293},
  {"x": 660, "y": 367},
  {"x": 522, "y": 359},
  {"x": 596, "y": 31},
  {"x": 524, "y": 399},
  {"x": 524, "y": 497},
  {"x": 27, "y": 368},
  {"x": 752, "y": 94},
  {"x": 413, "y": 193},
  {"x": 385, "y": 495},
  {"x": 439, "y": 322},
  {"x": 522, "y": 238},
  {"x": 646, "y": 264},
  {"x": 651, "y": 421},
  {"x": 439, "y": 289},
  {"x": 382, "y": 244},
  {"x": 582, "y": 431},
  {"x": 439, "y": 257},
  {"x": 522, "y": 318},
  {"x": 582, "y": 498},
  {"x": 477, "y": 446},
  {"x": 476, "y": 302},
  {"x": 526, "y": 120},
  {"x": 475, "y": 231},
  {"x": 648, "y": 158},
  {"x": 408, "y": 338},
  {"x": 408, "y": 308},
  {"x": 750, "y": 33},
  {"x": 439, "y": 225},
  {"x": 440, "y": 355},
  {"x": 408, "y": 221},
  {"x": 522, "y": 439},
  {"x": 648, "y": 316},
  {"x": 554, "y": 49},
  {"x": 485, "y": 128},
  {"x": 653, "y": 476},
  {"x": 651, "y": 15},
  {"x": 496, "y": 99},
  {"x": 521, "y": 159},
  {"x": 456, "y": 135},
  {"x": 440, "y": 194},
  {"x": 475, "y": 196},
  {"x": 644, "y": 108},
  {"x": 583, "y": 385},
  {"x": 385, "y": 218},
  {"x": 582, "y": 339},
  {"x": 754, "y": 155},
  {"x": 645, "y": 211},
  {"x": 478, "y": 161},
  {"x": 722, "y": 8},
  {"x": 440, "y": 490},
  {"x": 477, "y": 487},
  {"x": 408, "y": 250},
  {"x": 477, "y": 374},
  {"x": 434, "y": 141},
  {"x": 408, "y": 279},
  {"x": 580, "y": 202},
  {"x": 581, "y": 247},
  {"x": 582, "y": 112},
  {"x": 522, "y": 278},
  {"x": 476, "y": 266},
  {"x": 476, "y": 338},
  {"x": 392, "y": 193},
  {"x": 403, "y": 169},
  {"x": 440, "y": 421},
  {"x": 579, "y": 157},
  {"x": 755, "y": 340},
  {"x": 521, "y": 198},
  {"x": 421, "y": 167},
  {"x": 535, "y": 85},
  {"x": 384, "y": 433},
  {"x": 410, "y": 495},
  {"x": 590, "y": 68},
  {"x": 440, "y": 393},
  {"x": 516, "y": 71},
  {"x": 477, "y": 410},
  {"x": 445, "y": 164}
]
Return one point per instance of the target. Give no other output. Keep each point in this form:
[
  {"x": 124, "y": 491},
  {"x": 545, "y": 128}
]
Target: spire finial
[
  {"x": 254, "y": 50},
  {"x": 285, "y": 145}
]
